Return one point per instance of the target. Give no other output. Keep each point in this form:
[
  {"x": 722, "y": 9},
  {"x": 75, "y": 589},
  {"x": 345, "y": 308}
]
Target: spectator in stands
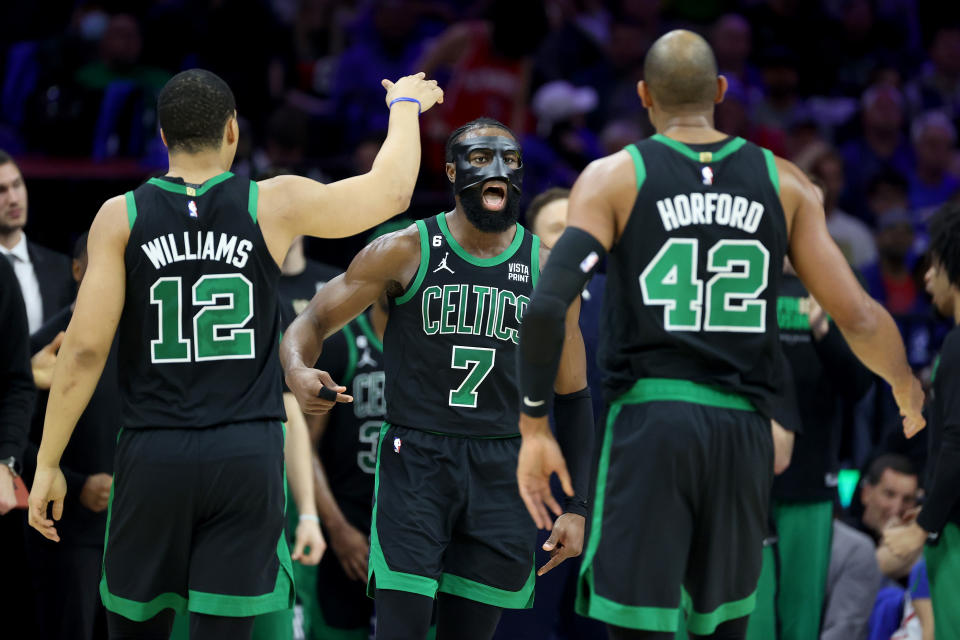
[
  {"x": 888, "y": 494},
  {"x": 853, "y": 581},
  {"x": 851, "y": 235},
  {"x": 730, "y": 37},
  {"x": 16, "y": 403},
  {"x": 938, "y": 85},
  {"x": 934, "y": 139},
  {"x": 882, "y": 145},
  {"x": 892, "y": 280},
  {"x": 65, "y": 575},
  {"x": 781, "y": 101},
  {"x": 119, "y": 59},
  {"x": 43, "y": 275}
]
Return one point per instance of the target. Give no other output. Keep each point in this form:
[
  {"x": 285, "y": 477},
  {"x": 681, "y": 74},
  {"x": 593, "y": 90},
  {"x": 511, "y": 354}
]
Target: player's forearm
[
  {"x": 297, "y": 452},
  {"x": 397, "y": 164},
  {"x": 574, "y": 417},
  {"x": 302, "y": 342},
  {"x": 876, "y": 341},
  {"x": 74, "y": 380},
  {"x": 330, "y": 513}
]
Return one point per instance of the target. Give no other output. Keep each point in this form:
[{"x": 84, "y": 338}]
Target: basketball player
[
  {"x": 696, "y": 225},
  {"x": 186, "y": 268},
  {"x": 447, "y": 518},
  {"x": 938, "y": 524}
]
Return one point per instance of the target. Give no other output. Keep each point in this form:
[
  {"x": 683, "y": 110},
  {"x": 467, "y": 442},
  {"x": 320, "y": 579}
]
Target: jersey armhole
[
  {"x": 252, "y": 200},
  {"x": 772, "y": 169},
  {"x": 422, "y": 269},
  {"x": 535, "y": 260},
  {"x": 131, "y": 207},
  {"x": 638, "y": 167}
]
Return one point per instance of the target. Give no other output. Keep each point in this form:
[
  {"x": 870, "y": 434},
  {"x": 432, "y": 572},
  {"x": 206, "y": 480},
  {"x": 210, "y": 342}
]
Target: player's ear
[
  {"x": 451, "y": 170},
  {"x": 232, "y": 130},
  {"x": 644, "y": 92},
  {"x": 163, "y": 137},
  {"x": 721, "y": 89}
]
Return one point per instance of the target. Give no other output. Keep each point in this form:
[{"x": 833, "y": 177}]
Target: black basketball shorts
[
  {"x": 448, "y": 517},
  {"x": 196, "y": 522},
  {"x": 680, "y": 511}
]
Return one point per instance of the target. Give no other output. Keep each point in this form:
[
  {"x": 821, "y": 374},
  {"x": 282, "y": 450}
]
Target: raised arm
[
  {"x": 82, "y": 357},
  {"x": 870, "y": 331},
  {"x": 385, "y": 265},
  {"x": 289, "y": 206}
]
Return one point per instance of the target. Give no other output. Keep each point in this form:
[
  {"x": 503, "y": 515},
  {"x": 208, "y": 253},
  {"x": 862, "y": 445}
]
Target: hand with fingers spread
[
  {"x": 49, "y": 485},
  {"x": 424, "y": 91},
  {"x": 315, "y": 390},
  {"x": 565, "y": 541},
  {"x": 309, "y": 544},
  {"x": 540, "y": 457},
  {"x": 353, "y": 550},
  {"x": 909, "y": 397}
]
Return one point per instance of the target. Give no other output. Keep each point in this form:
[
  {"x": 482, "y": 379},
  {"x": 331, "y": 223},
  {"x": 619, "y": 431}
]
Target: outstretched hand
[
  {"x": 426, "y": 92},
  {"x": 315, "y": 390},
  {"x": 909, "y": 399},
  {"x": 565, "y": 541},
  {"x": 49, "y": 485},
  {"x": 540, "y": 457}
]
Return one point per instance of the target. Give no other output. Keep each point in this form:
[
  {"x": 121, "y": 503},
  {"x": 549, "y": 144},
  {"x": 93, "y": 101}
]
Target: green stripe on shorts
[
  {"x": 943, "y": 572},
  {"x": 675, "y": 390}
]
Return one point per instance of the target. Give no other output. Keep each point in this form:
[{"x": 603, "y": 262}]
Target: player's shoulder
[
  {"x": 113, "y": 221},
  {"x": 392, "y": 250},
  {"x": 950, "y": 351}
]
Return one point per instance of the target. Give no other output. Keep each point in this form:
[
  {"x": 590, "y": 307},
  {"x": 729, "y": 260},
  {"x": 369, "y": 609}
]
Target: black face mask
[
  {"x": 469, "y": 181},
  {"x": 470, "y": 176}
]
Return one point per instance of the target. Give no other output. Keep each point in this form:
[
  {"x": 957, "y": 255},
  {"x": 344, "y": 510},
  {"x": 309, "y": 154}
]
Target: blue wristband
[{"x": 396, "y": 100}]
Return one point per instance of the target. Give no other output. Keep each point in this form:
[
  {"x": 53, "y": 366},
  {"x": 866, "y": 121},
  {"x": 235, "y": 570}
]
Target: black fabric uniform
[
  {"x": 197, "y": 510},
  {"x": 297, "y": 290},
  {"x": 348, "y": 451},
  {"x": 447, "y": 513},
  {"x": 690, "y": 350},
  {"x": 826, "y": 375}
]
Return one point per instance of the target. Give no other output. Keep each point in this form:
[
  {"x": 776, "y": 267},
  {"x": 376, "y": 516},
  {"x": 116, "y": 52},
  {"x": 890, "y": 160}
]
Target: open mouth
[{"x": 494, "y": 195}]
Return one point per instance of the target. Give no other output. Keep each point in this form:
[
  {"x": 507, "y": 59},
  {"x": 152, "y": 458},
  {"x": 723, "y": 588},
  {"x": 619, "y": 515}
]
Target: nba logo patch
[
  {"x": 707, "y": 174},
  {"x": 396, "y": 445},
  {"x": 192, "y": 208}
]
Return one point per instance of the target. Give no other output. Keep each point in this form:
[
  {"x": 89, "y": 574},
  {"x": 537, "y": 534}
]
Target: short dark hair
[
  {"x": 944, "y": 229},
  {"x": 537, "y": 204},
  {"x": 80, "y": 247},
  {"x": 892, "y": 461},
  {"x": 479, "y": 123},
  {"x": 193, "y": 108},
  {"x": 888, "y": 177},
  {"x": 680, "y": 70},
  {"x": 5, "y": 157}
]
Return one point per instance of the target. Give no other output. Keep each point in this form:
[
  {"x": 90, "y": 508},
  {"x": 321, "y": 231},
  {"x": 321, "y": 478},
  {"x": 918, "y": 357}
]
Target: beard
[{"x": 486, "y": 220}]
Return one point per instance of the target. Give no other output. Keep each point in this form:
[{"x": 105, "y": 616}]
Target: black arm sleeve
[
  {"x": 573, "y": 413},
  {"x": 16, "y": 379},
  {"x": 567, "y": 272}
]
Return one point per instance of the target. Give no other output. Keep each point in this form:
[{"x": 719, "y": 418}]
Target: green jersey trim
[
  {"x": 131, "y": 207},
  {"x": 479, "y": 592},
  {"x": 772, "y": 169},
  {"x": 253, "y": 199},
  {"x": 674, "y": 390},
  {"x": 480, "y": 262},
  {"x": 705, "y": 623},
  {"x": 351, "y": 367},
  {"x": 369, "y": 332},
  {"x": 638, "y": 166},
  {"x": 535, "y": 261},
  {"x": 184, "y": 190},
  {"x": 701, "y": 156},
  {"x": 422, "y": 269}
]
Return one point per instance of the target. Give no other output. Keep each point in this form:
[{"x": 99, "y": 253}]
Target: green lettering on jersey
[
  {"x": 506, "y": 297},
  {"x": 483, "y": 294},
  {"x": 447, "y": 308},
  {"x": 790, "y": 314},
  {"x": 430, "y": 327},
  {"x": 462, "y": 326}
]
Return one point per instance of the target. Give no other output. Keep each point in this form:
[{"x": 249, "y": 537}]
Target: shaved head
[{"x": 681, "y": 71}]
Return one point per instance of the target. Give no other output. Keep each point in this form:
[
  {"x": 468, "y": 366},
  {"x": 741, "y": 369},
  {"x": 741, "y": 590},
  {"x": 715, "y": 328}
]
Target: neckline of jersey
[
  {"x": 367, "y": 329},
  {"x": 472, "y": 259},
  {"x": 164, "y": 182},
  {"x": 729, "y": 147}
]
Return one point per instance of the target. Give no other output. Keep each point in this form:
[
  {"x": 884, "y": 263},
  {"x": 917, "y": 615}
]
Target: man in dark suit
[{"x": 44, "y": 275}]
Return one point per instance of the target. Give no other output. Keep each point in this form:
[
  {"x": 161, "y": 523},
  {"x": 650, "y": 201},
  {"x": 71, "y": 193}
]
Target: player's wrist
[
  {"x": 405, "y": 100},
  {"x": 309, "y": 517}
]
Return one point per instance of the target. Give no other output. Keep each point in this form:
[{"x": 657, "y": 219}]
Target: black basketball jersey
[
  {"x": 348, "y": 449},
  {"x": 451, "y": 340},
  {"x": 199, "y": 334},
  {"x": 692, "y": 283}
]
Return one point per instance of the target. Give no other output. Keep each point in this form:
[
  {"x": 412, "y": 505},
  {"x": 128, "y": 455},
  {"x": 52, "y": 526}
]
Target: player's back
[
  {"x": 692, "y": 282},
  {"x": 199, "y": 330}
]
